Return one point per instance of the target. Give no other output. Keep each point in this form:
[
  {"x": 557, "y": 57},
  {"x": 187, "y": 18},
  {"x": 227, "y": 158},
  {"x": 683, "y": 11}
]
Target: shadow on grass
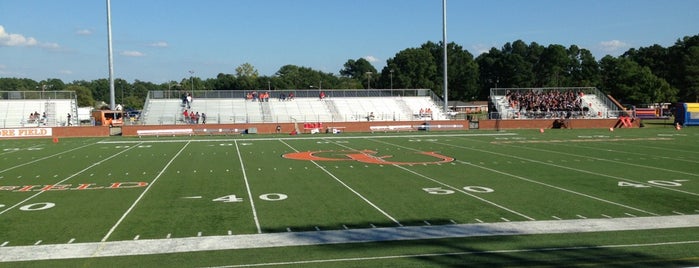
[{"x": 477, "y": 245}]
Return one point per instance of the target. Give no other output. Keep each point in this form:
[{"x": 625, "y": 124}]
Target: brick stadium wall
[
  {"x": 269, "y": 128},
  {"x": 80, "y": 131}
]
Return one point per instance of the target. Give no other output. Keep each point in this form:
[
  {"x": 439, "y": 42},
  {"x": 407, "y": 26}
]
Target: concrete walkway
[{"x": 174, "y": 245}]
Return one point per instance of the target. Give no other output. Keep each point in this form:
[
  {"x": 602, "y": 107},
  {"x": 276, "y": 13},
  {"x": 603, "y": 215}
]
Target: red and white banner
[{"x": 25, "y": 132}]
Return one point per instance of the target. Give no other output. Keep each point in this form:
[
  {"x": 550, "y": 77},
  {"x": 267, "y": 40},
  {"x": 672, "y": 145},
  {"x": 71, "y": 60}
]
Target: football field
[{"x": 96, "y": 191}]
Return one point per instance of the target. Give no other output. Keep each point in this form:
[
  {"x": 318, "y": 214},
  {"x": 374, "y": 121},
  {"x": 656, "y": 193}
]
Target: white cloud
[
  {"x": 159, "y": 44},
  {"x": 84, "y": 32},
  {"x": 65, "y": 72},
  {"x": 13, "y": 40},
  {"x": 50, "y": 45},
  {"x": 480, "y": 49},
  {"x": 613, "y": 45},
  {"x": 132, "y": 53},
  {"x": 371, "y": 59}
]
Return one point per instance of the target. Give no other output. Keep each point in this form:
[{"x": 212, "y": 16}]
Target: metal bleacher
[
  {"x": 16, "y": 107},
  {"x": 594, "y": 104},
  {"x": 225, "y": 107}
]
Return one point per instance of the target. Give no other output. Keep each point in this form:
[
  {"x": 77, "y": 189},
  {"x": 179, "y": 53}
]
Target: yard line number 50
[{"x": 474, "y": 189}]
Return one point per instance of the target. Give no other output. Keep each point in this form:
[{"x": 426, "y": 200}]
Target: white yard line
[
  {"x": 558, "y": 188},
  {"x": 20, "y": 149},
  {"x": 444, "y": 184},
  {"x": 607, "y": 160},
  {"x": 111, "y": 230},
  {"x": 247, "y": 187},
  {"x": 350, "y": 188},
  {"x": 545, "y": 184},
  {"x": 575, "y": 169},
  {"x": 467, "y": 193},
  {"x": 456, "y": 188},
  {"x": 631, "y": 153},
  {"x": 67, "y": 178},
  {"x": 285, "y": 239},
  {"x": 46, "y": 157}
]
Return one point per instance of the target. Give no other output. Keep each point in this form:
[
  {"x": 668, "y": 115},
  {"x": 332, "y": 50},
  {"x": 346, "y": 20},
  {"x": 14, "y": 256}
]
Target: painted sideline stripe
[
  {"x": 312, "y": 137},
  {"x": 266, "y": 240}
]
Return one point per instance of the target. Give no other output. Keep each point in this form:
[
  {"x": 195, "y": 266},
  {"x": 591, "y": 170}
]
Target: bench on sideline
[
  {"x": 438, "y": 127},
  {"x": 391, "y": 128},
  {"x": 218, "y": 131},
  {"x": 164, "y": 132}
]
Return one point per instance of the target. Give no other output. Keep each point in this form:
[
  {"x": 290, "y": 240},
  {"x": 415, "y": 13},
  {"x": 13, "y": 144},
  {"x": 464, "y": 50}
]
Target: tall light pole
[
  {"x": 368, "y": 80},
  {"x": 444, "y": 41},
  {"x": 112, "y": 103},
  {"x": 391, "y": 72},
  {"x": 191, "y": 79}
]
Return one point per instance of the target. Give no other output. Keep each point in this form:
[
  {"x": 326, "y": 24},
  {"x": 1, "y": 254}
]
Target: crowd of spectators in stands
[
  {"x": 425, "y": 112},
  {"x": 191, "y": 117},
  {"x": 186, "y": 100},
  {"x": 546, "y": 104},
  {"x": 36, "y": 118}
]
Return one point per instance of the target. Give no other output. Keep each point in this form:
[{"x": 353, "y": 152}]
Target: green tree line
[{"x": 639, "y": 76}]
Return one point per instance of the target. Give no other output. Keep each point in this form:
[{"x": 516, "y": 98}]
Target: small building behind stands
[{"x": 108, "y": 118}]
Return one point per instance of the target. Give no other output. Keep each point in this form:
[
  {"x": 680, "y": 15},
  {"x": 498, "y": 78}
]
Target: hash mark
[
  {"x": 677, "y": 212},
  {"x": 345, "y": 226},
  {"x": 288, "y": 229},
  {"x": 317, "y": 228},
  {"x": 630, "y": 215},
  {"x": 136, "y": 237},
  {"x": 505, "y": 219},
  {"x": 168, "y": 236},
  {"x": 478, "y": 220},
  {"x": 372, "y": 225},
  {"x": 606, "y": 216},
  {"x": 37, "y": 242},
  {"x": 4, "y": 244},
  {"x": 71, "y": 240},
  {"x": 453, "y": 221},
  {"x": 427, "y": 223},
  {"x": 556, "y": 218},
  {"x": 198, "y": 234},
  {"x": 581, "y": 216},
  {"x": 230, "y": 232}
]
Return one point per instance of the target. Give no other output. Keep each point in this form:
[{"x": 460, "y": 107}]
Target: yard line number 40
[{"x": 267, "y": 197}]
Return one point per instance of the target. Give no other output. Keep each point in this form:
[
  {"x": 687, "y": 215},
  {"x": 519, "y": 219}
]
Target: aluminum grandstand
[
  {"x": 290, "y": 106},
  {"x": 38, "y": 108}
]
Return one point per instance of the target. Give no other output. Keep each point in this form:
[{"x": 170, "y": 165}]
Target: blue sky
[{"x": 162, "y": 40}]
